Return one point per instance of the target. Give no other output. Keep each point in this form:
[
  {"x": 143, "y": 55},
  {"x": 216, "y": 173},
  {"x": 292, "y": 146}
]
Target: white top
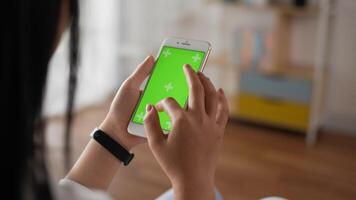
[{"x": 68, "y": 189}]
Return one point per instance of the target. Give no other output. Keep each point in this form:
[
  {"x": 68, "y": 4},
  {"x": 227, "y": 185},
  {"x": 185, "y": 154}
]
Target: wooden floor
[{"x": 255, "y": 162}]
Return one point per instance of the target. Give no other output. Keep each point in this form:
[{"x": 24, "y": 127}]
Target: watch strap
[{"x": 112, "y": 146}]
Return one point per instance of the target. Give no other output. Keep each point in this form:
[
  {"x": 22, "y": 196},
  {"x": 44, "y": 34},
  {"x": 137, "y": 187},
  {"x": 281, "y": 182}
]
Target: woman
[{"x": 31, "y": 34}]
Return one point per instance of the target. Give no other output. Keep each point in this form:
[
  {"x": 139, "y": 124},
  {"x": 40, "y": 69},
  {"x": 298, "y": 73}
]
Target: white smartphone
[{"x": 167, "y": 79}]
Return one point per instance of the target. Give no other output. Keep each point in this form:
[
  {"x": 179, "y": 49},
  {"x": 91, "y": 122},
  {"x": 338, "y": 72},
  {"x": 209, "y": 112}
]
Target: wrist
[
  {"x": 98, "y": 175},
  {"x": 114, "y": 132},
  {"x": 193, "y": 189},
  {"x": 192, "y": 184},
  {"x": 194, "y": 177}
]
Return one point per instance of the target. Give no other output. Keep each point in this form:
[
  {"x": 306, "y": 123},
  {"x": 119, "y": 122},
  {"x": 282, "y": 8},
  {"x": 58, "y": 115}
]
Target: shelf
[
  {"x": 284, "y": 10},
  {"x": 278, "y": 62},
  {"x": 277, "y": 112},
  {"x": 294, "y": 11},
  {"x": 304, "y": 72},
  {"x": 221, "y": 61},
  {"x": 291, "y": 71}
]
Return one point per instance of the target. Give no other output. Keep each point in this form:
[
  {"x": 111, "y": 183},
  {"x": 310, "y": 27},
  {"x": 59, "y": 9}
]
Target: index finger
[
  {"x": 211, "y": 98},
  {"x": 170, "y": 106},
  {"x": 196, "y": 90}
]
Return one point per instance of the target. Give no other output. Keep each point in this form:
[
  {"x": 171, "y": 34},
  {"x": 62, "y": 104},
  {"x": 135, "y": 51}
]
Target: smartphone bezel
[{"x": 190, "y": 44}]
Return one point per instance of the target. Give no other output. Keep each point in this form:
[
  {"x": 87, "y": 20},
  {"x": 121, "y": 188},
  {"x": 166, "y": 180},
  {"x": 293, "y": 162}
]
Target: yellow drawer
[{"x": 280, "y": 113}]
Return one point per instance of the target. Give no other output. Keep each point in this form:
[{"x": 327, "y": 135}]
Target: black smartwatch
[{"x": 112, "y": 146}]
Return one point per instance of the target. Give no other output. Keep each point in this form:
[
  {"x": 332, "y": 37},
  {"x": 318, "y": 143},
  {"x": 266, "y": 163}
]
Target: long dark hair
[{"x": 27, "y": 42}]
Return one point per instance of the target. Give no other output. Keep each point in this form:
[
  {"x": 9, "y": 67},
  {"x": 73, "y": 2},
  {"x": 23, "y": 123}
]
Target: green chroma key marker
[{"x": 168, "y": 80}]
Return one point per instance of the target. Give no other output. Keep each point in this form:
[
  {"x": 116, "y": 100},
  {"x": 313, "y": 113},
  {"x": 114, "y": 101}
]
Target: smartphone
[{"x": 167, "y": 79}]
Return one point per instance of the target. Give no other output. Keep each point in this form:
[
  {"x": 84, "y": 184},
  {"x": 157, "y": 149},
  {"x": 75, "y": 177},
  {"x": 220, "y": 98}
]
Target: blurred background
[{"x": 287, "y": 66}]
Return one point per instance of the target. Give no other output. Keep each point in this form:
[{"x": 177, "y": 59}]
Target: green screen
[{"x": 168, "y": 80}]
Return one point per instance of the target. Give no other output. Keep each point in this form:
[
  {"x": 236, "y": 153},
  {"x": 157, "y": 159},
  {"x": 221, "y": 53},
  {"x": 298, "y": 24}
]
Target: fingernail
[
  {"x": 148, "y": 107},
  {"x": 221, "y": 91},
  {"x": 185, "y": 69},
  {"x": 148, "y": 57},
  {"x": 186, "y": 66},
  {"x": 145, "y": 60}
]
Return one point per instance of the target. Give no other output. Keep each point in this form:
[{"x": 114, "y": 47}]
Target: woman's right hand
[{"x": 189, "y": 153}]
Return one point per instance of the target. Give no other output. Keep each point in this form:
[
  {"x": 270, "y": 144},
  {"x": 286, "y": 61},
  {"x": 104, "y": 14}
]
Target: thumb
[{"x": 152, "y": 126}]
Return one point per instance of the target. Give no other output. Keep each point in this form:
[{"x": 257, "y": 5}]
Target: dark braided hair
[{"x": 27, "y": 42}]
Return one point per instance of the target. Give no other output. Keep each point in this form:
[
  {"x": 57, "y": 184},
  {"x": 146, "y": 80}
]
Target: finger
[
  {"x": 222, "y": 114},
  {"x": 211, "y": 98},
  {"x": 136, "y": 139},
  {"x": 141, "y": 72},
  {"x": 152, "y": 126},
  {"x": 171, "y": 107},
  {"x": 196, "y": 90}
]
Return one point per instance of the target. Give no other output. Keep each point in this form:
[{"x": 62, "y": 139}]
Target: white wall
[
  {"x": 341, "y": 93},
  {"x": 340, "y": 98},
  {"x": 99, "y": 67}
]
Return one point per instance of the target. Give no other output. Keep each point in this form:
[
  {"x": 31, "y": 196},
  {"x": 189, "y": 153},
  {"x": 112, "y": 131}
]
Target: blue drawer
[{"x": 280, "y": 87}]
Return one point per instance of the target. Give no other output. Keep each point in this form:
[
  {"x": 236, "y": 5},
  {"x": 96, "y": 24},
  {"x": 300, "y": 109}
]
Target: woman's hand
[
  {"x": 189, "y": 153},
  {"x": 118, "y": 117},
  {"x": 96, "y": 167}
]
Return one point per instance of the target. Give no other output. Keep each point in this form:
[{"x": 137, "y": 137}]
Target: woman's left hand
[{"x": 125, "y": 100}]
